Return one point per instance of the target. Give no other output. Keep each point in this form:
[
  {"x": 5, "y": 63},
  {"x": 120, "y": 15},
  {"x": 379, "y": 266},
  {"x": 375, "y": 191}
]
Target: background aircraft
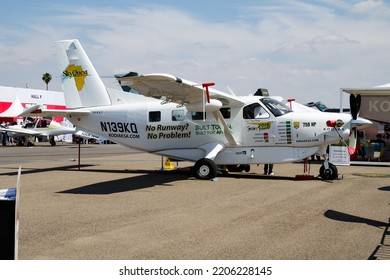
[
  {"x": 38, "y": 127},
  {"x": 189, "y": 121}
]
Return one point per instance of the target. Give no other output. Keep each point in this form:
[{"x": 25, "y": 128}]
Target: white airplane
[
  {"x": 44, "y": 127},
  {"x": 188, "y": 121},
  {"x": 39, "y": 127}
]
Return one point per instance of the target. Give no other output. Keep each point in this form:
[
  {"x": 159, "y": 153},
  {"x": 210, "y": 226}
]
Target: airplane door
[{"x": 257, "y": 126}]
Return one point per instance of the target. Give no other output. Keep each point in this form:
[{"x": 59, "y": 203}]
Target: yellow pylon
[{"x": 168, "y": 165}]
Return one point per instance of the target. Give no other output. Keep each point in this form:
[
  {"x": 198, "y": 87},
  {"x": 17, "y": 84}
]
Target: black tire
[
  {"x": 328, "y": 173},
  {"x": 205, "y": 169},
  {"x": 232, "y": 167},
  {"x": 52, "y": 141},
  {"x": 239, "y": 168}
]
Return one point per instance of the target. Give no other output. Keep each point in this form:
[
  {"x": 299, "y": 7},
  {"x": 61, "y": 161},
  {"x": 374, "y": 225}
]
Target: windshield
[{"x": 277, "y": 108}]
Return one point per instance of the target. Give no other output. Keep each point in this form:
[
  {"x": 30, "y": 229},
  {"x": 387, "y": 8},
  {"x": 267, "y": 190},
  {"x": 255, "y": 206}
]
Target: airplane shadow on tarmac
[
  {"x": 382, "y": 251},
  {"x": 40, "y": 170},
  {"x": 146, "y": 180},
  {"x": 151, "y": 178}
]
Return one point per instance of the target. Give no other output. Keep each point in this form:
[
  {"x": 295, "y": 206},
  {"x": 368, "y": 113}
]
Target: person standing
[{"x": 268, "y": 169}]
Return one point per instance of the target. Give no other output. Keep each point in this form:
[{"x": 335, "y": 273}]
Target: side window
[
  {"x": 154, "y": 116},
  {"x": 254, "y": 111},
  {"x": 261, "y": 113},
  {"x": 198, "y": 115},
  {"x": 178, "y": 115},
  {"x": 226, "y": 112}
]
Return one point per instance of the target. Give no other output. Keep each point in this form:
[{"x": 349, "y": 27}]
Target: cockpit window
[
  {"x": 277, "y": 108},
  {"x": 254, "y": 111}
]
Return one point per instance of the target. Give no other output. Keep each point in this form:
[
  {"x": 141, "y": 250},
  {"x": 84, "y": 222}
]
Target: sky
[{"x": 305, "y": 50}]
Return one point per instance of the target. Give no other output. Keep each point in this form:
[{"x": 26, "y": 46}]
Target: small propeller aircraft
[
  {"x": 183, "y": 120},
  {"x": 38, "y": 127}
]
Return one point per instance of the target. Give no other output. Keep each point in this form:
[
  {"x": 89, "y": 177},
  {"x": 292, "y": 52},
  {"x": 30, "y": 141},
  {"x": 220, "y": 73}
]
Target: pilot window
[
  {"x": 177, "y": 115},
  {"x": 225, "y": 112},
  {"x": 277, "y": 108},
  {"x": 154, "y": 116},
  {"x": 198, "y": 115},
  {"x": 254, "y": 111}
]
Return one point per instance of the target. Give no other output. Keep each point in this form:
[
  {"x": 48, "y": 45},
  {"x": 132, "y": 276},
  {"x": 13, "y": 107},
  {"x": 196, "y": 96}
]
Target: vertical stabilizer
[{"x": 81, "y": 84}]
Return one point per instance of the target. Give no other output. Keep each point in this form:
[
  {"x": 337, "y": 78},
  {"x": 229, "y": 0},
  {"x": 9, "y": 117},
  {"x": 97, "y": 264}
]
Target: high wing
[
  {"x": 174, "y": 89},
  {"x": 169, "y": 88}
]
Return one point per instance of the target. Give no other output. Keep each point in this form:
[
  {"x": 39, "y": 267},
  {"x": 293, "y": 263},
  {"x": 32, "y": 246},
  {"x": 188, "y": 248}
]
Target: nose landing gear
[{"x": 328, "y": 171}]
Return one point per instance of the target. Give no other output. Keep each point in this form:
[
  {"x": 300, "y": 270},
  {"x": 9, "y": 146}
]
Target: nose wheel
[{"x": 328, "y": 171}]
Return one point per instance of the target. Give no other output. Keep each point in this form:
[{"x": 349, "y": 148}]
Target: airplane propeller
[{"x": 354, "y": 103}]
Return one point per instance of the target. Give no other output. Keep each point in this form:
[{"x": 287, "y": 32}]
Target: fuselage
[{"x": 264, "y": 131}]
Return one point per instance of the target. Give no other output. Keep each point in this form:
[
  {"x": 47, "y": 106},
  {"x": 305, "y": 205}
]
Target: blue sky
[{"x": 302, "y": 49}]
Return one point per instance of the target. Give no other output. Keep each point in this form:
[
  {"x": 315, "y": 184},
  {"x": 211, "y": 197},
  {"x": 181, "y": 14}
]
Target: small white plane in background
[
  {"x": 38, "y": 127},
  {"x": 188, "y": 121},
  {"x": 43, "y": 127}
]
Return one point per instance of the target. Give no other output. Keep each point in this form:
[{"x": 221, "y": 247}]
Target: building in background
[
  {"x": 11, "y": 96},
  {"x": 375, "y": 106}
]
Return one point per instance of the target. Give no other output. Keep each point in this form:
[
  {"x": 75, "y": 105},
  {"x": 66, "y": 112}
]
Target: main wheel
[
  {"x": 239, "y": 168},
  {"x": 328, "y": 173},
  {"x": 205, "y": 169}
]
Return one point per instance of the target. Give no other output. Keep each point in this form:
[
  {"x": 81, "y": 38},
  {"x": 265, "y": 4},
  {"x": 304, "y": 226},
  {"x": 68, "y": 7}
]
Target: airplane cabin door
[{"x": 257, "y": 126}]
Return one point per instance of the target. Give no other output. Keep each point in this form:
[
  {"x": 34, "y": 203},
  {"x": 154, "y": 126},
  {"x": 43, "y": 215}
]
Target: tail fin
[{"x": 81, "y": 84}]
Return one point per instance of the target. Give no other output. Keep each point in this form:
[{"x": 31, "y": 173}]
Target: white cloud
[
  {"x": 293, "y": 48},
  {"x": 368, "y": 6}
]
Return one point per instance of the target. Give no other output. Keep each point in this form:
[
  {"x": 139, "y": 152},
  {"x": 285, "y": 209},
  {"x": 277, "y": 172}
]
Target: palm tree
[{"x": 46, "y": 78}]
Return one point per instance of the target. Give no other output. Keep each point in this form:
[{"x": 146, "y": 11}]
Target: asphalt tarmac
[{"x": 119, "y": 205}]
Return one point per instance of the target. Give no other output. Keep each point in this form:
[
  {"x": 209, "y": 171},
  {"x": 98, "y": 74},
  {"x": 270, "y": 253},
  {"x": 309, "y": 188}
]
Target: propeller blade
[
  {"x": 358, "y": 104},
  {"x": 353, "y": 106},
  {"x": 352, "y": 141}
]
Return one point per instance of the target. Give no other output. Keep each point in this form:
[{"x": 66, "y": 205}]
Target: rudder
[{"x": 81, "y": 84}]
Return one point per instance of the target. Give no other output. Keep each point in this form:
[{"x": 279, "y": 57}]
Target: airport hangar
[{"x": 375, "y": 106}]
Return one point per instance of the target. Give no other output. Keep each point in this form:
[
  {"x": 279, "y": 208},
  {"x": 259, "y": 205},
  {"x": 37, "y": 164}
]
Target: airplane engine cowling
[
  {"x": 213, "y": 106},
  {"x": 333, "y": 136}
]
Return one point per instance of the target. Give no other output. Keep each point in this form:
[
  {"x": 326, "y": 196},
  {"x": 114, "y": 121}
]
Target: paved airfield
[{"x": 119, "y": 206}]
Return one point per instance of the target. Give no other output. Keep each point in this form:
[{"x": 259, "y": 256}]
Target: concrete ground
[{"x": 120, "y": 206}]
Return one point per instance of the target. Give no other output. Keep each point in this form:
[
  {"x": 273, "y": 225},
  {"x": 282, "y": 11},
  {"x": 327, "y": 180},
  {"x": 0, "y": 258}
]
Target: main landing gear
[{"x": 206, "y": 169}]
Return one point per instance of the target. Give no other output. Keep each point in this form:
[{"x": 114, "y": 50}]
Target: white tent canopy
[{"x": 14, "y": 110}]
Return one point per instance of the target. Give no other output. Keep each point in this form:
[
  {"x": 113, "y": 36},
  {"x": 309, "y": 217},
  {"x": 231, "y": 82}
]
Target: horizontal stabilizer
[{"x": 38, "y": 111}]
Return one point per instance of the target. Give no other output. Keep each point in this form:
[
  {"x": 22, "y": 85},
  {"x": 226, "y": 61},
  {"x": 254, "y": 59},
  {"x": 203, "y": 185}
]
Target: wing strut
[{"x": 228, "y": 134}]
